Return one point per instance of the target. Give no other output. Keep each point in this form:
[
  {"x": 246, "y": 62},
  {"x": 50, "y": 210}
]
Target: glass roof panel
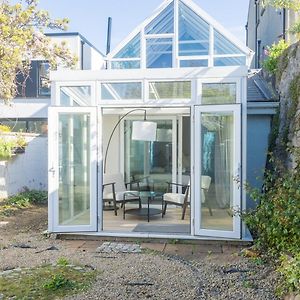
[
  {"x": 132, "y": 49},
  {"x": 223, "y": 46},
  {"x": 159, "y": 53},
  {"x": 163, "y": 23},
  {"x": 193, "y": 33}
]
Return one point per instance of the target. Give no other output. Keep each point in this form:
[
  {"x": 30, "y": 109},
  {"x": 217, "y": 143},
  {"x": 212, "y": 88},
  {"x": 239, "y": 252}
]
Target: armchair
[{"x": 115, "y": 190}]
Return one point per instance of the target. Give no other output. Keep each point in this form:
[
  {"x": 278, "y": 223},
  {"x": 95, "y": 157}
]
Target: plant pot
[{"x": 18, "y": 150}]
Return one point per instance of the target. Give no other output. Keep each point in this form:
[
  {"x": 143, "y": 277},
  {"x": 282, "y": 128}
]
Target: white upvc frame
[
  {"x": 145, "y": 100},
  {"x": 53, "y": 172},
  {"x": 237, "y": 193},
  {"x": 57, "y": 85}
]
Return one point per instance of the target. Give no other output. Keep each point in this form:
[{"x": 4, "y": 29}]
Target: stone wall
[
  {"x": 288, "y": 86},
  {"x": 25, "y": 170}
]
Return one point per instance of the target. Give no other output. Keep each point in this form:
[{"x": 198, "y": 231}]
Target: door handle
[{"x": 52, "y": 170}]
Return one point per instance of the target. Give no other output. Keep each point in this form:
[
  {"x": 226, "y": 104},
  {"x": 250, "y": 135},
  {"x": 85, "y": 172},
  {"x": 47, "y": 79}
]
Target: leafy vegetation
[
  {"x": 290, "y": 271},
  {"x": 273, "y": 56},
  {"x": 289, "y": 4},
  {"x": 22, "y": 39},
  {"x": 46, "y": 282},
  {"x": 8, "y": 144},
  {"x": 22, "y": 200}
]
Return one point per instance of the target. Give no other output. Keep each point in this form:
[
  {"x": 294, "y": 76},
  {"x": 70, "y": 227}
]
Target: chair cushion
[
  {"x": 129, "y": 195},
  {"x": 174, "y": 198}
]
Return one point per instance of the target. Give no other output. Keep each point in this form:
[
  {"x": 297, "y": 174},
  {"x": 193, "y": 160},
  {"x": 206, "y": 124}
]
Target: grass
[
  {"x": 25, "y": 199},
  {"x": 46, "y": 282}
]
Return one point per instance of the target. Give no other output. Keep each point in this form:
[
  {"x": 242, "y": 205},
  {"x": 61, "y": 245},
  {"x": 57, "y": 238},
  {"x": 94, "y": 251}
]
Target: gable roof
[{"x": 197, "y": 10}]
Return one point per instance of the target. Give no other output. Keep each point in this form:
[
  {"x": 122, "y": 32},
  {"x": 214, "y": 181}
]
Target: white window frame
[
  {"x": 122, "y": 101},
  {"x": 57, "y": 85}
]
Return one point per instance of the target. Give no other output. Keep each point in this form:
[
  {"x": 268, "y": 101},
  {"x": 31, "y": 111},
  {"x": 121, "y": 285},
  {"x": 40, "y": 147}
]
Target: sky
[{"x": 89, "y": 17}]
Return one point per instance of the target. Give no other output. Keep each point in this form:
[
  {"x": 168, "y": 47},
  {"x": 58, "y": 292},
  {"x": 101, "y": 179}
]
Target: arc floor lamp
[{"x": 141, "y": 131}]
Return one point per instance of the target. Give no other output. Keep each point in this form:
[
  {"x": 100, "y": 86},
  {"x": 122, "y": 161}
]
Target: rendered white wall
[
  {"x": 25, "y": 170},
  {"x": 25, "y": 108},
  {"x": 113, "y": 158}
]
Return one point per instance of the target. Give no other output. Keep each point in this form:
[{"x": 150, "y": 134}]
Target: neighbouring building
[
  {"x": 265, "y": 26},
  {"x": 29, "y": 113}
]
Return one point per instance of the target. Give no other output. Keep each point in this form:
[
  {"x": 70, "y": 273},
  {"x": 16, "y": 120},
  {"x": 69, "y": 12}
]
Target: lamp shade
[{"x": 144, "y": 131}]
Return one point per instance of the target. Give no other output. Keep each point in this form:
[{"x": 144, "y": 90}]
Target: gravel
[{"x": 146, "y": 275}]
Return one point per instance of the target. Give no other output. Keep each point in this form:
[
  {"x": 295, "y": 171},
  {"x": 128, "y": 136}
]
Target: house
[
  {"x": 29, "y": 113},
  {"x": 168, "y": 109},
  {"x": 260, "y": 32}
]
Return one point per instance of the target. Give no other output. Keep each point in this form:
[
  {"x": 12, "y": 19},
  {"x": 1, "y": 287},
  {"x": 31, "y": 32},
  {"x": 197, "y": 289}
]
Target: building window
[
  {"x": 38, "y": 126},
  {"x": 44, "y": 79}
]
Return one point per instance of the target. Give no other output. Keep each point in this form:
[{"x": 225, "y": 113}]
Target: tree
[
  {"x": 22, "y": 39},
  {"x": 288, "y": 4}
]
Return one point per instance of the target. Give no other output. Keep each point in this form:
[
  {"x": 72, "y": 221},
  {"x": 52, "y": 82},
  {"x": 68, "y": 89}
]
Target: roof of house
[
  {"x": 62, "y": 34},
  {"x": 258, "y": 88}
]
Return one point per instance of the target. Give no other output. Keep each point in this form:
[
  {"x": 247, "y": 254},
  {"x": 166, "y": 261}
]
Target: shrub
[
  {"x": 28, "y": 197},
  {"x": 290, "y": 271},
  {"x": 274, "y": 53},
  {"x": 275, "y": 222},
  {"x": 4, "y": 128},
  {"x": 6, "y": 148}
]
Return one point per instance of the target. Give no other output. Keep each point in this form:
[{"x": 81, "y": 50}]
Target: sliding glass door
[{"x": 217, "y": 170}]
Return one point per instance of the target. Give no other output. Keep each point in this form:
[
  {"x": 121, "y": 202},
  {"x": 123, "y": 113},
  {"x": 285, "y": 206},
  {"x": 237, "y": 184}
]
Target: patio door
[
  {"x": 72, "y": 169},
  {"x": 217, "y": 165}
]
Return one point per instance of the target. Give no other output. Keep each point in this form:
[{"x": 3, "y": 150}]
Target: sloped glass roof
[
  {"x": 223, "y": 45},
  {"x": 193, "y": 33},
  {"x": 132, "y": 49},
  {"x": 188, "y": 38},
  {"x": 163, "y": 23}
]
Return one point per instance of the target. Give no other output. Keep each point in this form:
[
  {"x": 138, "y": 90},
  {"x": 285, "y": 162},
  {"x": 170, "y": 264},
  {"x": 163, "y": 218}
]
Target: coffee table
[{"x": 147, "y": 211}]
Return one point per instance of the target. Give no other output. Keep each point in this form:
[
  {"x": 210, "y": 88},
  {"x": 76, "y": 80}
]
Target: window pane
[
  {"x": 218, "y": 93},
  {"x": 159, "y": 53},
  {"x": 170, "y": 90},
  {"x": 15, "y": 125},
  {"x": 40, "y": 127},
  {"x": 74, "y": 148},
  {"x": 229, "y": 61},
  {"x": 44, "y": 80},
  {"x": 223, "y": 46},
  {"x": 217, "y": 158},
  {"x": 126, "y": 64},
  {"x": 192, "y": 63},
  {"x": 163, "y": 23},
  {"x": 193, "y": 33},
  {"x": 75, "y": 96},
  {"x": 149, "y": 162},
  {"x": 131, "y": 50},
  {"x": 120, "y": 91}
]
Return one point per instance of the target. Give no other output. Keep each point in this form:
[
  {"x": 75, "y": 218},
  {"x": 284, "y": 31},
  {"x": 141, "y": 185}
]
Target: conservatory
[{"x": 154, "y": 144}]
